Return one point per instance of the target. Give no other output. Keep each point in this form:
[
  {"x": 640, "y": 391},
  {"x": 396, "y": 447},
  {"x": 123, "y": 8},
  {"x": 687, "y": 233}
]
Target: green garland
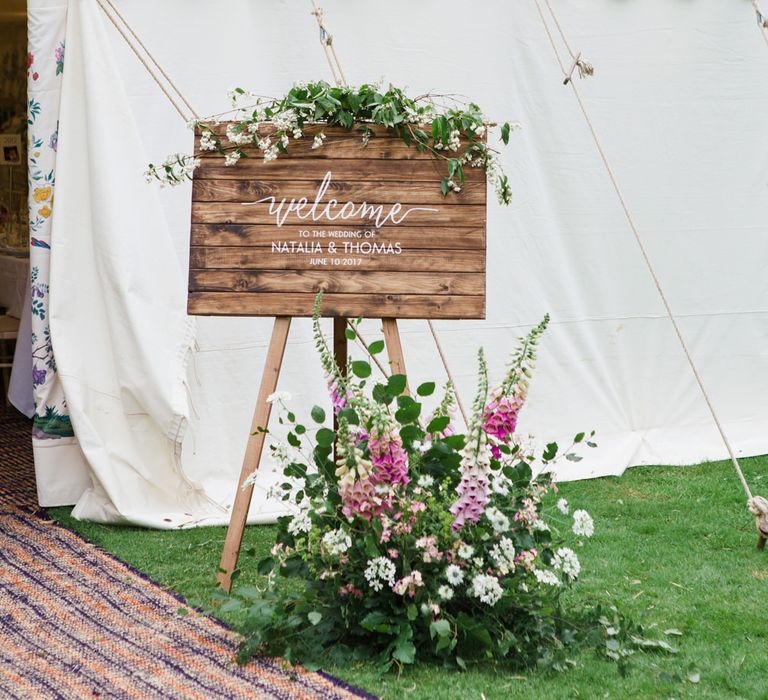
[{"x": 442, "y": 126}]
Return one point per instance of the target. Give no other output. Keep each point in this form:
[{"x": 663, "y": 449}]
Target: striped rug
[
  {"x": 76, "y": 623},
  {"x": 17, "y": 471}
]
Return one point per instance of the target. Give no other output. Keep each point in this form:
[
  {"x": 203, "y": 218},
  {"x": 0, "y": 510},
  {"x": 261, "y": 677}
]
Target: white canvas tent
[{"x": 161, "y": 409}]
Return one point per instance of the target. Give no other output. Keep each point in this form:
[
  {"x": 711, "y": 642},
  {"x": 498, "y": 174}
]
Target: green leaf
[
  {"x": 396, "y": 384},
  {"x": 381, "y": 394},
  {"x": 439, "y": 628},
  {"x": 349, "y": 415},
  {"x": 409, "y": 414},
  {"x": 405, "y": 652},
  {"x": 579, "y": 437},
  {"x": 361, "y": 369},
  {"x": 265, "y": 566},
  {"x": 325, "y": 437},
  {"x": 318, "y": 414},
  {"x": 437, "y": 425},
  {"x": 573, "y": 457},
  {"x": 314, "y": 617},
  {"x": 505, "y": 132},
  {"x": 426, "y": 389},
  {"x": 376, "y": 347},
  {"x": 350, "y": 334},
  {"x": 293, "y": 440},
  {"x": 550, "y": 452}
]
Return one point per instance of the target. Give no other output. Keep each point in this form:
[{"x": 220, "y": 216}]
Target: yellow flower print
[
  {"x": 45, "y": 211},
  {"x": 41, "y": 194}
]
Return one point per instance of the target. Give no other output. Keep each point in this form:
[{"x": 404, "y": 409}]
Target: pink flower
[
  {"x": 473, "y": 490},
  {"x": 500, "y": 418},
  {"x": 389, "y": 458},
  {"x": 418, "y": 506},
  {"x": 393, "y": 553},
  {"x": 339, "y": 398},
  {"x": 350, "y": 589},
  {"x": 361, "y": 498},
  {"x": 409, "y": 584}
]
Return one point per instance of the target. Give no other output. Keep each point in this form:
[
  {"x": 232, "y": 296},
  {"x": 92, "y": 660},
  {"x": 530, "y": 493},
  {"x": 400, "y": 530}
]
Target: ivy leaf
[{"x": 318, "y": 414}]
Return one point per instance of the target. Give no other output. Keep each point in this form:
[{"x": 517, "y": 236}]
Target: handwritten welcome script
[{"x": 333, "y": 210}]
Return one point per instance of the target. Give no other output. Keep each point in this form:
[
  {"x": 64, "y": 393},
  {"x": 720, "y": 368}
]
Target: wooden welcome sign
[{"x": 365, "y": 224}]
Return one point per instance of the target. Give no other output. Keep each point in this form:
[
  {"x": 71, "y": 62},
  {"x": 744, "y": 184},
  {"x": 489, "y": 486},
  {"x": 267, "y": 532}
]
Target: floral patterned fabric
[{"x": 45, "y": 66}]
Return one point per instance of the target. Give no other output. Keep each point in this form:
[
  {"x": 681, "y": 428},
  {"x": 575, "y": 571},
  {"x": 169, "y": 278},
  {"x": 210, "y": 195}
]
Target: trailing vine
[{"x": 441, "y": 125}]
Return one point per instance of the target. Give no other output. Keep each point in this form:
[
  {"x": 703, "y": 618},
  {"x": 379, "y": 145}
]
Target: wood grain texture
[
  {"x": 429, "y": 215},
  {"x": 338, "y": 190},
  {"x": 368, "y": 305},
  {"x": 410, "y": 237},
  {"x": 225, "y": 258},
  {"x": 312, "y": 282},
  {"x": 354, "y": 170},
  {"x": 376, "y": 235}
]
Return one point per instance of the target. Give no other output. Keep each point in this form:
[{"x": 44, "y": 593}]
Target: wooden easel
[{"x": 255, "y": 446}]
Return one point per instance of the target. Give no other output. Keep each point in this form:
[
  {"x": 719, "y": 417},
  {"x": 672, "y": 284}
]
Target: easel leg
[
  {"x": 394, "y": 348},
  {"x": 253, "y": 450},
  {"x": 339, "y": 354}
]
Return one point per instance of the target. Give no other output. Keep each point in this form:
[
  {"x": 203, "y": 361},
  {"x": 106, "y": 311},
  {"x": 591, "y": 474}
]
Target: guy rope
[{"x": 757, "y": 505}]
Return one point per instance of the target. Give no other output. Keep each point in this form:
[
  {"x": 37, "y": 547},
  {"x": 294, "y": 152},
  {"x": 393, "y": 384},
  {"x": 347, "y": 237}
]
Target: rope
[
  {"x": 762, "y": 21},
  {"x": 647, "y": 260},
  {"x": 154, "y": 77},
  {"x": 585, "y": 69},
  {"x": 326, "y": 40}
]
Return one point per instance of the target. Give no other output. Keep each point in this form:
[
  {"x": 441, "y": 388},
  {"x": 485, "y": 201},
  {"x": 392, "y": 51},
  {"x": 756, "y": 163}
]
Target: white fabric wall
[{"x": 678, "y": 99}]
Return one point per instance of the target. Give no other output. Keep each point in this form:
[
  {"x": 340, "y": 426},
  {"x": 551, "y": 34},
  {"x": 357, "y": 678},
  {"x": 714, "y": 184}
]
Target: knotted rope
[{"x": 757, "y": 505}]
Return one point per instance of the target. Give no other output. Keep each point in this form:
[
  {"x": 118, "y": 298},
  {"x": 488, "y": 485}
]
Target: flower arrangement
[
  {"x": 441, "y": 125},
  {"x": 410, "y": 541}
]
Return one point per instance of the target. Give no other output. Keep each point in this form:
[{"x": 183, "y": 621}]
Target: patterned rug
[
  {"x": 76, "y": 623},
  {"x": 17, "y": 472}
]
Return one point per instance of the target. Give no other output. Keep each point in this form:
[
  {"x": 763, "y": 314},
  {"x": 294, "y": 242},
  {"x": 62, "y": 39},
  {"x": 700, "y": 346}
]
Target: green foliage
[{"x": 457, "y": 133}]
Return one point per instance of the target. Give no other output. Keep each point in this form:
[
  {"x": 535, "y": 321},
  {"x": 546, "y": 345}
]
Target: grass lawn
[{"x": 673, "y": 546}]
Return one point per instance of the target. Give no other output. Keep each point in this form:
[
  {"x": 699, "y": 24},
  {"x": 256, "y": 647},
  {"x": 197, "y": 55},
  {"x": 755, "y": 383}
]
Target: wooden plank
[
  {"x": 467, "y": 283},
  {"x": 368, "y": 305},
  {"x": 394, "y": 348},
  {"x": 253, "y": 451},
  {"x": 427, "y": 260},
  {"x": 335, "y": 189},
  {"x": 262, "y": 235},
  {"x": 356, "y": 169},
  {"x": 429, "y": 215}
]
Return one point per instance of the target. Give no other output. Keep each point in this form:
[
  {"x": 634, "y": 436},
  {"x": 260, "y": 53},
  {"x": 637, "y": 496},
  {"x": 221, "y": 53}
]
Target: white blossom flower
[
  {"x": 425, "y": 481},
  {"x": 454, "y": 575},
  {"x": 318, "y": 140},
  {"x": 565, "y": 560},
  {"x": 547, "y": 577},
  {"x": 378, "y": 572},
  {"x": 465, "y": 551},
  {"x": 499, "y": 521},
  {"x": 282, "y": 396},
  {"x": 207, "y": 141},
  {"x": 337, "y": 542},
  {"x": 231, "y": 158},
  {"x": 486, "y": 588},
  {"x": 250, "y": 479},
  {"x": 300, "y": 523},
  {"x": 503, "y": 554},
  {"x": 539, "y": 525},
  {"x": 562, "y": 506},
  {"x": 445, "y": 592},
  {"x": 583, "y": 525}
]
